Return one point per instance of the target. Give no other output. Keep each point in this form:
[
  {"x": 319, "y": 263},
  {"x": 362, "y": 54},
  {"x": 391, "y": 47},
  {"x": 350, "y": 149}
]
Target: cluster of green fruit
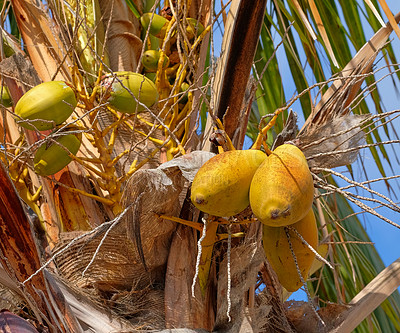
[
  {"x": 50, "y": 104},
  {"x": 279, "y": 189},
  {"x": 157, "y": 26}
]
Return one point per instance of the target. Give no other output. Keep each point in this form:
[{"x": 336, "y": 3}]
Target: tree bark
[{"x": 20, "y": 259}]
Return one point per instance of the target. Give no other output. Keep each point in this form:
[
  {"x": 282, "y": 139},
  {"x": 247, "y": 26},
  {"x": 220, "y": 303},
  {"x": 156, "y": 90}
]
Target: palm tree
[{"x": 111, "y": 240}]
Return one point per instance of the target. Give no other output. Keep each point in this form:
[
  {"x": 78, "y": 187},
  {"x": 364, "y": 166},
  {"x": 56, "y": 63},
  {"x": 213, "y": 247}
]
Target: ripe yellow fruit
[
  {"x": 138, "y": 85},
  {"x": 52, "y": 157},
  {"x": 46, "y": 105},
  {"x": 221, "y": 186},
  {"x": 317, "y": 264},
  {"x": 282, "y": 188},
  {"x": 279, "y": 255}
]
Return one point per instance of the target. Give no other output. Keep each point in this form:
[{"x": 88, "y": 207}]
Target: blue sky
[{"x": 385, "y": 236}]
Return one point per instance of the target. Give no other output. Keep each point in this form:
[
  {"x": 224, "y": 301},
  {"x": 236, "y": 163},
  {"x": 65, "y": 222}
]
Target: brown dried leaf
[
  {"x": 320, "y": 134},
  {"x": 342, "y": 92},
  {"x": 188, "y": 164},
  {"x": 289, "y": 132},
  {"x": 45, "y": 49},
  {"x": 10, "y": 322},
  {"x": 244, "y": 264},
  {"x": 368, "y": 299},
  {"x": 21, "y": 260},
  {"x": 141, "y": 237},
  {"x": 390, "y": 16},
  {"x": 122, "y": 31},
  {"x": 302, "y": 317},
  {"x": 322, "y": 31},
  {"x": 239, "y": 47},
  {"x": 181, "y": 308},
  {"x": 340, "y": 134}
]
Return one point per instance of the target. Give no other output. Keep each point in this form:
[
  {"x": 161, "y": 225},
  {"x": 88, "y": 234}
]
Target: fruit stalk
[{"x": 108, "y": 180}]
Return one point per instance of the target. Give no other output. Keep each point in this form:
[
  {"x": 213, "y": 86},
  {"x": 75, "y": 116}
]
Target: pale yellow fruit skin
[
  {"x": 52, "y": 101},
  {"x": 150, "y": 60},
  {"x": 221, "y": 186},
  {"x": 51, "y": 157},
  {"x": 158, "y": 24},
  {"x": 277, "y": 250},
  {"x": 282, "y": 188},
  {"x": 140, "y": 86}
]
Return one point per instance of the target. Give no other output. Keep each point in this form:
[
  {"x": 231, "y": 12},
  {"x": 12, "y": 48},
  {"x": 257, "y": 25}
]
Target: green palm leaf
[
  {"x": 357, "y": 263},
  {"x": 288, "y": 30},
  {"x": 353, "y": 275}
]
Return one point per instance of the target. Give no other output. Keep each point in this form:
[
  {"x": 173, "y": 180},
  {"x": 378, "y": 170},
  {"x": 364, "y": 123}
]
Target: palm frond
[{"x": 356, "y": 258}]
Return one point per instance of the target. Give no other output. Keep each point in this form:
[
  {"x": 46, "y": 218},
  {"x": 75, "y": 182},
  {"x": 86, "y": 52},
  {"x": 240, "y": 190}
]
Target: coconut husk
[
  {"x": 10, "y": 300},
  {"x": 143, "y": 307},
  {"x": 330, "y": 145},
  {"x": 181, "y": 308},
  {"x": 302, "y": 317},
  {"x": 335, "y": 143},
  {"x": 118, "y": 265},
  {"x": 245, "y": 262},
  {"x": 128, "y": 268}
]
